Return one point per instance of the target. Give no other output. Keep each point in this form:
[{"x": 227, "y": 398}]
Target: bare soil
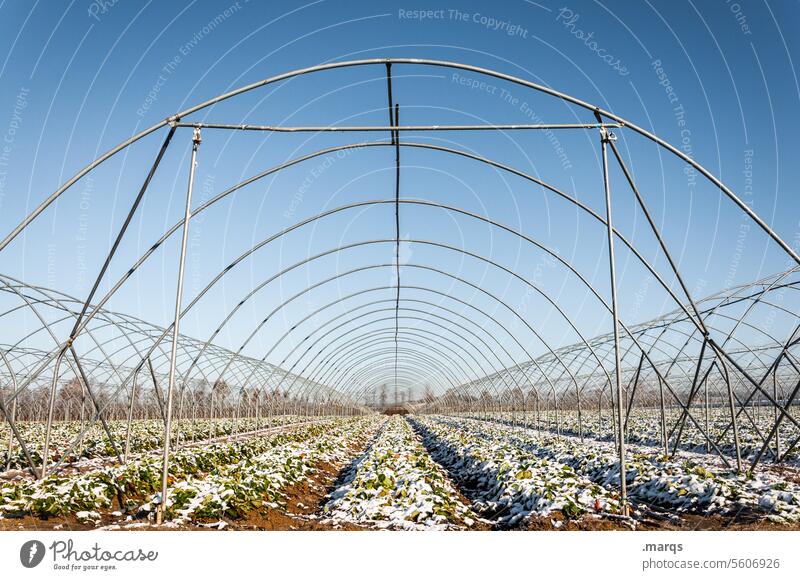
[
  {"x": 683, "y": 522},
  {"x": 28, "y": 523},
  {"x": 304, "y": 503}
]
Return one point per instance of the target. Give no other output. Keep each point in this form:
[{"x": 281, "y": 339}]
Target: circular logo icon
[{"x": 31, "y": 553}]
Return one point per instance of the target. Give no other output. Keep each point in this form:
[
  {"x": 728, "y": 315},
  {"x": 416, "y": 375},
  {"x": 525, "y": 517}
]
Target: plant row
[
  {"x": 504, "y": 480},
  {"x": 688, "y": 482},
  {"x": 395, "y": 484},
  {"x": 124, "y": 488},
  {"x": 145, "y": 435}
]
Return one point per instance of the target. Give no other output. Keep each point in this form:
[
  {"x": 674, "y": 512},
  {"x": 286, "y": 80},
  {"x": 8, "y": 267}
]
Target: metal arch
[
  {"x": 328, "y": 358},
  {"x": 547, "y": 186},
  {"x": 442, "y": 337},
  {"x": 349, "y": 206},
  {"x": 426, "y": 302},
  {"x": 418, "y": 356},
  {"x": 735, "y": 358},
  {"x": 484, "y": 160},
  {"x": 107, "y": 364},
  {"x": 599, "y": 112},
  {"x": 452, "y": 209},
  {"x": 653, "y": 272},
  {"x": 340, "y": 300},
  {"x": 428, "y": 268},
  {"x": 351, "y": 146},
  {"x": 354, "y": 348},
  {"x": 410, "y": 371},
  {"x": 460, "y": 363}
]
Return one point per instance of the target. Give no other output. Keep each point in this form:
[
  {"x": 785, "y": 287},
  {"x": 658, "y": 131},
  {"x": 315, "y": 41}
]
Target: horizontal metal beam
[{"x": 381, "y": 128}]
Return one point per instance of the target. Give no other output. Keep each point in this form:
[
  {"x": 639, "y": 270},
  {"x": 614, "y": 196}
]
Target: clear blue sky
[{"x": 718, "y": 77}]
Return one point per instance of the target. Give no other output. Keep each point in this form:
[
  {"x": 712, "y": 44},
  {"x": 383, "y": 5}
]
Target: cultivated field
[{"x": 393, "y": 473}]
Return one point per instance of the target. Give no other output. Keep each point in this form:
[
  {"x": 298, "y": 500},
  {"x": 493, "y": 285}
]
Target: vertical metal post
[
  {"x": 555, "y": 405},
  {"x": 11, "y": 432},
  {"x": 80, "y": 318},
  {"x": 663, "y": 417},
  {"x": 732, "y": 409},
  {"x": 51, "y": 407},
  {"x": 235, "y": 426},
  {"x": 634, "y": 383},
  {"x": 174, "y": 351},
  {"x": 600, "y": 413},
  {"x": 84, "y": 379},
  {"x": 513, "y": 410},
  {"x": 130, "y": 418},
  {"x": 707, "y": 422},
  {"x": 524, "y": 422},
  {"x": 605, "y": 137},
  {"x": 692, "y": 393},
  {"x": 611, "y": 399},
  {"x": 213, "y": 423},
  {"x": 156, "y": 390},
  {"x": 179, "y": 418},
  {"x": 194, "y": 414},
  {"x": 10, "y": 417},
  {"x": 776, "y": 415},
  {"x": 580, "y": 416}
]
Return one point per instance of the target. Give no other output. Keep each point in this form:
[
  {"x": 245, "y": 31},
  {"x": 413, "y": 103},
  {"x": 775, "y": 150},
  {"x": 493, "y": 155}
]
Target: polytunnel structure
[{"x": 717, "y": 371}]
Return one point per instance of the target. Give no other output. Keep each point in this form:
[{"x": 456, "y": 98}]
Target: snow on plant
[
  {"x": 234, "y": 489},
  {"x": 128, "y": 484},
  {"x": 507, "y": 483},
  {"x": 644, "y": 428},
  {"x": 67, "y": 494},
  {"x": 689, "y": 482},
  {"x": 146, "y": 435},
  {"x": 396, "y": 485}
]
